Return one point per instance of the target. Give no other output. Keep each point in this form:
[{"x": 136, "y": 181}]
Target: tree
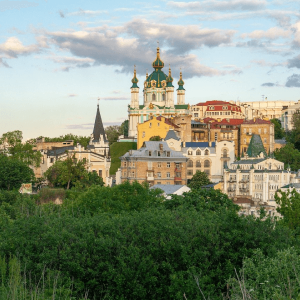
[
  {"x": 289, "y": 156},
  {"x": 155, "y": 138},
  {"x": 113, "y": 132},
  {"x": 279, "y": 132},
  {"x": 66, "y": 173},
  {"x": 289, "y": 207},
  {"x": 13, "y": 173},
  {"x": 198, "y": 180},
  {"x": 13, "y": 146},
  {"x": 124, "y": 128},
  {"x": 82, "y": 140},
  {"x": 11, "y": 138}
]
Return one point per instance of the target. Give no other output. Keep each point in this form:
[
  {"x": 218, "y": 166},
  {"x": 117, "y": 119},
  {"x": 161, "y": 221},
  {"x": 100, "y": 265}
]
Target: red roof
[
  {"x": 219, "y": 105},
  {"x": 223, "y": 121}
]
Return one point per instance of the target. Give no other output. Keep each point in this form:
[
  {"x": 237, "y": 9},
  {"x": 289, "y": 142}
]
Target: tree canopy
[
  {"x": 279, "y": 132},
  {"x": 13, "y": 173},
  {"x": 198, "y": 180},
  {"x": 289, "y": 156}
]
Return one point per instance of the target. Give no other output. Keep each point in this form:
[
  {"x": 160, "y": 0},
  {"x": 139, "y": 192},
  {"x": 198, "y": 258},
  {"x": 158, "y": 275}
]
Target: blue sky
[{"x": 58, "y": 57}]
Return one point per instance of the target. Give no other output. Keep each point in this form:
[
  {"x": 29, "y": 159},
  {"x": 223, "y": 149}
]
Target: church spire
[
  {"x": 169, "y": 78},
  {"x": 134, "y": 79},
  {"x": 180, "y": 82},
  {"x": 158, "y": 63},
  {"x": 98, "y": 128}
]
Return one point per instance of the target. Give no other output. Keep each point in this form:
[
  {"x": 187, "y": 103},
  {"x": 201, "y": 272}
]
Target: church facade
[{"x": 158, "y": 97}]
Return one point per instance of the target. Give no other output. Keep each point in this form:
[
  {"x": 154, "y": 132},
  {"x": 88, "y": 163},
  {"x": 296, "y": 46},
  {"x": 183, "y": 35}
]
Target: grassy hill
[{"x": 116, "y": 151}]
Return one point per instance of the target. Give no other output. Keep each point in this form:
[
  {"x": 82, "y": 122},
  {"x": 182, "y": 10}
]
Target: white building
[
  {"x": 287, "y": 116},
  {"x": 158, "y": 97},
  {"x": 212, "y": 158}
]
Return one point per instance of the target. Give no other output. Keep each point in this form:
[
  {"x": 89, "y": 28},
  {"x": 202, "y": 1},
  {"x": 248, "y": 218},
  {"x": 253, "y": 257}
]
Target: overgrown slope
[{"x": 116, "y": 151}]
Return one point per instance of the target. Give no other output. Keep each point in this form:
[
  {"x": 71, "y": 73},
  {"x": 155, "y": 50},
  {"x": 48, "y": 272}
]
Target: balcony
[
  {"x": 178, "y": 169},
  {"x": 177, "y": 179}
]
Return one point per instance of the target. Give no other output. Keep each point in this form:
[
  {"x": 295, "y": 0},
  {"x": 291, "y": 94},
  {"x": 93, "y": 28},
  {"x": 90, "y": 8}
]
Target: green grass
[{"x": 116, "y": 151}]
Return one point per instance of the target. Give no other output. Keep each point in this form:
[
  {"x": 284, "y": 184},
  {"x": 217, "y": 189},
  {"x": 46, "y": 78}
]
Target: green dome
[
  {"x": 158, "y": 63},
  {"x": 169, "y": 79},
  {"x": 157, "y": 75},
  {"x": 134, "y": 80},
  {"x": 180, "y": 82}
]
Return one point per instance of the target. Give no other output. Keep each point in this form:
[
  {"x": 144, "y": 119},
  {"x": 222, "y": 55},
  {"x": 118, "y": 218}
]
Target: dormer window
[
  {"x": 211, "y": 107},
  {"x": 168, "y": 153}
]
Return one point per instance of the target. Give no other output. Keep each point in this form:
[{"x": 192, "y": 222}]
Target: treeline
[{"x": 126, "y": 242}]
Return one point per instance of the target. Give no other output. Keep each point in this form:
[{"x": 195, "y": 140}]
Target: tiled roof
[
  {"x": 167, "y": 188},
  {"x": 199, "y": 144},
  {"x": 98, "y": 127},
  {"x": 167, "y": 121},
  {"x": 171, "y": 135},
  {"x": 219, "y": 105},
  {"x": 154, "y": 147},
  {"x": 223, "y": 121},
  {"x": 59, "y": 151},
  {"x": 249, "y": 161},
  {"x": 292, "y": 185}
]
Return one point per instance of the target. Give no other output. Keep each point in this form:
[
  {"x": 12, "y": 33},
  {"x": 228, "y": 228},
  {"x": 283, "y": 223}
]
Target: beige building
[
  {"x": 155, "y": 163},
  {"x": 287, "y": 116},
  {"x": 264, "y": 109},
  {"x": 260, "y": 127},
  {"x": 96, "y": 155}
]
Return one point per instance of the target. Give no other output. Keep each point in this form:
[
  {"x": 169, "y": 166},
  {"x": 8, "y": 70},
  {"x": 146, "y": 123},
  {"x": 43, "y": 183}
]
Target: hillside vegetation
[{"x": 116, "y": 151}]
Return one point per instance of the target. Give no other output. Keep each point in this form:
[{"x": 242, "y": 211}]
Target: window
[
  {"x": 159, "y": 165},
  {"x": 265, "y": 130},
  {"x": 100, "y": 173},
  {"x": 259, "y": 130},
  {"x": 245, "y": 130},
  {"x": 159, "y": 174},
  {"x": 178, "y": 174},
  {"x": 216, "y": 136},
  {"x": 124, "y": 174},
  {"x": 164, "y": 97},
  {"x": 150, "y": 125},
  {"x": 124, "y": 164},
  {"x": 177, "y": 165},
  {"x": 265, "y": 140},
  {"x": 224, "y": 152},
  {"x": 168, "y": 165},
  {"x": 207, "y": 172},
  {"x": 245, "y": 141},
  {"x": 153, "y": 97},
  {"x": 168, "y": 153},
  {"x": 133, "y": 164},
  {"x": 196, "y": 115},
  {"x": 206, "y": 152},
  {"x": 168, "y": 175},
  {"x": 143, "y": 134},
  {"x": 158, "y": 124},
  {"x": 150, "y": 153},
  {"x": 211, "y": 107},
  {"x": 198, "y": 152},
  {"x": 51, "y": 160},
  {"x": 206, "y": 164},
  {"x": 190, "y": 152},
  {"x": 190, "y": 164},
  {"x": 198, "y": 164},
  {"x": 190, "y": 172}
]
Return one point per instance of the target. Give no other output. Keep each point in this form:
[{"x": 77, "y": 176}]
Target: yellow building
[{"x": 157, "y": 126}]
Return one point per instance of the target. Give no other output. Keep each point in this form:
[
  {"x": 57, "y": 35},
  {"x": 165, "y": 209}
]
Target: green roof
[
  {"x": 182, "y": 106},
  {"x": 157, "y": 75},
  {"x": 256, "y": 146}
]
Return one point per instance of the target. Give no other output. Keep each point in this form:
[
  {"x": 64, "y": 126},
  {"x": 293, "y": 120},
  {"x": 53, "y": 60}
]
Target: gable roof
[
  {"x": 171, "y": 135},
  {"x": 256, "y": 146},
  {"x": 167, "y": 188}
]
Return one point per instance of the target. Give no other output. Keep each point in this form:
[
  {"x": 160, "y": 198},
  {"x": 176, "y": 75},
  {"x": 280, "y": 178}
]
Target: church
[{"x": 158, "y": 97}]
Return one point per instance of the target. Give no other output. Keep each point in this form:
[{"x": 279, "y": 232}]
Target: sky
[{"x": 58, "y": 57}]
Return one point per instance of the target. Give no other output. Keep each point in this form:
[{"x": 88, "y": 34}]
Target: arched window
[
  {"x": 198, "y": 152},
  {"x": 164, "y": 97},
  {"x": 206, "y": 152},
  {"x": 153, "y": 97},
  {"x": 198, "y": 164},
  {"x": 224, "y": 152},
  {"x": 206, "y": 164},
  {"x": 190, "y": 164}
]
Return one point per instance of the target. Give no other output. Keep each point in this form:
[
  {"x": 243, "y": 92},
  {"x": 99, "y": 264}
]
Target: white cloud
[
  {"x": 89, "y": 13},
  {"x": 264, "y": 63},
  {"x": 215, "y": 5},
  {"x": 13, "y": 47},
  {"x": 271, "y": 34}
]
